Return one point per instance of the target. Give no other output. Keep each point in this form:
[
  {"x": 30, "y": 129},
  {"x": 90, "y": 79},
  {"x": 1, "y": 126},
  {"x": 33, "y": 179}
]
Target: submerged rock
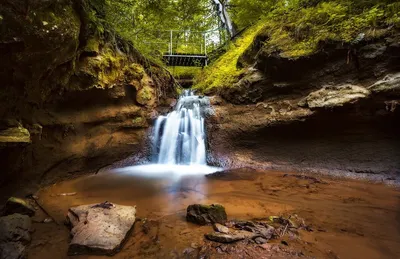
[
  {"x": 334, "y": 96},
  {"x": 206, "y": 214},
  {"x": 17, "y": 205},
  {"x": 99, "y": 228},
  {"x": 14, "y": 235}
]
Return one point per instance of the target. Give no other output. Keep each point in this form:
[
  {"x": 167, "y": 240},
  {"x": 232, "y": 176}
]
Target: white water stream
[{"x": 179, "y": 141}]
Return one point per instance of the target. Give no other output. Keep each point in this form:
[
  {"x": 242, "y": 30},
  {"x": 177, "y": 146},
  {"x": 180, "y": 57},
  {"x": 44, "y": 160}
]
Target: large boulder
[
  {"x": 335, "y": 96},
  {"x": 17, "y": 205},
  {"x": 206, "y": 214},
  {"x": 14, "y": 236},
  {"x": 100, "y": 229}
]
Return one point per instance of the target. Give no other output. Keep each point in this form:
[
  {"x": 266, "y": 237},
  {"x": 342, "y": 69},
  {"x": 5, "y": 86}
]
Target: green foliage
[
  {"x": 224, "y": 72},
  {"x": 185, "y": 72},
  {"x": 296, "y": 27}
]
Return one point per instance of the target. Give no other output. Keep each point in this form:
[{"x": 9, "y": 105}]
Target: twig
[
  {"x": 43, "y": 209},
  {"x": 284, "y": 231}
]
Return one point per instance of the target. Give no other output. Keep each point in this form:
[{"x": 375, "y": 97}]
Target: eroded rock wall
[
  {"x": 74, "y": 95},
  {"x": 335, "y": 110}
]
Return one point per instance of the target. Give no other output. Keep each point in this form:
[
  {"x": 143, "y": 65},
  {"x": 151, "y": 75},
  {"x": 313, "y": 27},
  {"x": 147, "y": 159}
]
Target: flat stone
[
  {"x": 230, "y": 238},
  {"x": 334, "y": 96},
  {"x": 100, "y": 229},
  {"x": 220, "y": 228},
  {"x": 17, "y": 205},
  {"x": 206, "y": 214}
]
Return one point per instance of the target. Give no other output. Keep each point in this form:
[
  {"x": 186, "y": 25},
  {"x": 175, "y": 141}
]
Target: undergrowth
[
  {"x": 224, "y": 72},
  {"x": 295, "y": 29}
]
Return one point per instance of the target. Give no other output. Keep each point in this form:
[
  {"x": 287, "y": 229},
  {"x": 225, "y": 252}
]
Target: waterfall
[
  {"x": 178, "y": 142},
  {"x": 179, "y": 137}
]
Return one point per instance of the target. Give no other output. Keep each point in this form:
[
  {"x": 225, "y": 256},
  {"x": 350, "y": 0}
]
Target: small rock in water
[
  {"x": 230, "y": 238},
  {"x": 260, "y": 240},
  {"x": 220, "y": 228},
  {"x": 99, "y": 228},
  {"x": 17, "y": 205},
  {"x": 205, "y": 214},
  {"x": 47, "y": 220}
]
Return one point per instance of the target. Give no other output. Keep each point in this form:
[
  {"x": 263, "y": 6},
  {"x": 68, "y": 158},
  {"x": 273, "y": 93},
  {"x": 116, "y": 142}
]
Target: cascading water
[
  {"x": 178, "y": 141},
  {"x": 179, "y": 137}
]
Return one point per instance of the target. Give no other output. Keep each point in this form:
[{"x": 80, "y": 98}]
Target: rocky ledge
[{"x": 332, "y": 111}]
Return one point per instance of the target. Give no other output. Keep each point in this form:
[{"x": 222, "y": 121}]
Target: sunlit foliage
[{"x": 295, "y": 28}]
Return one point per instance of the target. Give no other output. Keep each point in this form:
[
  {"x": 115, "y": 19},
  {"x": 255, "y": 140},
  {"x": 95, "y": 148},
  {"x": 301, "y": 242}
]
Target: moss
[
  {"x": 296, "y": 31},
  {"x": 224, "y": 72},
  {"x": 92, "y": 46},
  {"x": 145, "y": 96},
  {"x": 185, "y": 72},
  {"x": 15, "y": 135},
  {"x": 134, "y": 72}
]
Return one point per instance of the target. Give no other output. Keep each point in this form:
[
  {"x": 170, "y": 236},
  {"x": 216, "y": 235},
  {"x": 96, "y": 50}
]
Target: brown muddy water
[{"x": 349, "y": 218}]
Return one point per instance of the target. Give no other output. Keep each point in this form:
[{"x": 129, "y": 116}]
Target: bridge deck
[{"x": 186, "y": 60}]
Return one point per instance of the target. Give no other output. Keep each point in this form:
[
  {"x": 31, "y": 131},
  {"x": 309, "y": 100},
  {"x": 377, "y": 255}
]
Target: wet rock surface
[
  {"x": 100, "y": 228},
  {"x": 14, "y": 236},
  {"x": 17, "y": 205},
  {"x": 206, "y": 214}
]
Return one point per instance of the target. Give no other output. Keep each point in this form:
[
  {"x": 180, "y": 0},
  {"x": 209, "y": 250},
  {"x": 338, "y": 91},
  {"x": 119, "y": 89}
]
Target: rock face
[
  {"x": 206, "y": 214},
  {"x": 17, "y": 205},
  {"x": 332, "y": 111},
  {"x": 335, "y": 96},
  {"x": 72, "y": 99},
  {"x": 100, "y": 228},
  {"x": 14, "y": 235}
]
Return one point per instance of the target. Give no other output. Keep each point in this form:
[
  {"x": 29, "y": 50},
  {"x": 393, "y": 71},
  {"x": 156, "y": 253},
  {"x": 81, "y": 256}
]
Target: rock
[
  {"x": 15, "y": 228},
  {"x": 98, "y": 229},
  {"x": 260, "y": 228},
  {"x": 12, "y": 250},
  {"x": 230, "y": 238},
  {"x": 334, "y": 96},
  {"x": 220, "y": 228},
  {"x": 204, "y": 214},
  {"x": 14, "y": 235},
  {"x": 15, "y": 135},
  {"x": 390, "y": 85},
  {"x": 17, "y": 205},
  {"x": 260, "y": 240}
]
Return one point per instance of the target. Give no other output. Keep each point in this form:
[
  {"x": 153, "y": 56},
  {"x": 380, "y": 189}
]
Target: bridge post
[
  {"x": 170, "y": 44},
  {"x": 205, "y": 47}
]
